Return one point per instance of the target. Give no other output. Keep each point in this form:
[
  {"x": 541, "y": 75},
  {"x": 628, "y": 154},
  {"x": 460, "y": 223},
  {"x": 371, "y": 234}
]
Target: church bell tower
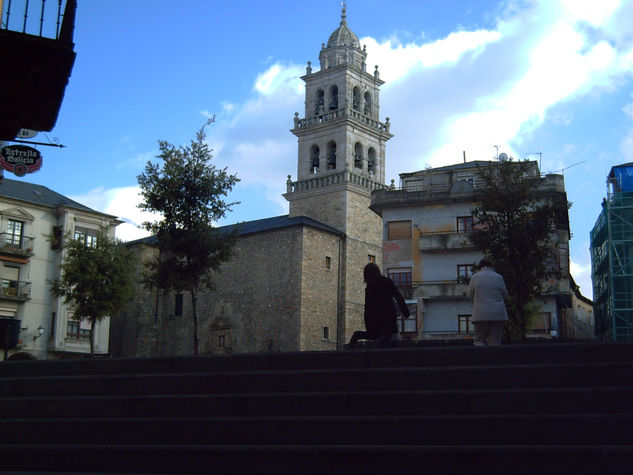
[{"x": 341, "y": 160}]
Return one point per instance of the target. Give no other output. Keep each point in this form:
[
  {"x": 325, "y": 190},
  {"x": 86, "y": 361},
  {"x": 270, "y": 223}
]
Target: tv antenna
[{"x": 562, "y": 170}]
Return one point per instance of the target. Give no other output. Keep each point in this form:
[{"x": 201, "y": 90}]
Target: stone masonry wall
[{"x": 319, "y": 289}]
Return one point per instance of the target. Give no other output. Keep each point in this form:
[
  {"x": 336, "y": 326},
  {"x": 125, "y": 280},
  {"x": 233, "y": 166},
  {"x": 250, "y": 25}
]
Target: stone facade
[{"x": 279, "y": 292}]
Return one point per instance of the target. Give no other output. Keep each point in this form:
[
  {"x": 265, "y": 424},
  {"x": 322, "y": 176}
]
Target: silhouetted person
[
  {"x": 380, "y": 308},
  {"x": 487, "y": 289}
]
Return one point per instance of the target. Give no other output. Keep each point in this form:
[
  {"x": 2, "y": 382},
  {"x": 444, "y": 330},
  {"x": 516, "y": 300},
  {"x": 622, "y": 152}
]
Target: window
[
  {"x": 371, "y": 160},
  {"x": 464, "y": 224},
  {"x": 367, "y": 108},
  {"x": 371, "y": 258},
  {"x": 398, "y": 230},
  {"x": 320, "y": 102},
  {"x": 221, "y": 341},
  {"x": 356, "y": 98},
  {"x": 331, "y": 156},
  {"x": 464, "y": 325},
  {"x": 467, "y": 178},
  {"x": 88, "y": 236},
  {"x": 409, "y": 325},
  {"x": 541, "y": 323},
  {"x": 314, "y": 159},
  {"x": 328, "y": 262},
  {"x": 178, "y": 305},
  {"x": 464, "y": 272},
  {"x": 10, "y": 280},
  {"x": 333, "y": 98},
  {"x": 75, "y": 329},
  {"x": 358, "y": 155},
  {"x": 14, "y": 232},
  {"x": 402, "y": 278},
  {"x": 326, "y": 333}
]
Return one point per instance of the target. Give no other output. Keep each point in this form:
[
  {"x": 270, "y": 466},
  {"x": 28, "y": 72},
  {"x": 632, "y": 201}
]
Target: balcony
[
  {"x": 340, "y": 114},
  {"x": 440, "y": 289},
  {"x": 15, "y": 290},
  {"x": 37, "y": 58},
  {"x": 406, "y": 290},
  {"x": 13, "y": 245},
  {"x": 443, "y": 242}
]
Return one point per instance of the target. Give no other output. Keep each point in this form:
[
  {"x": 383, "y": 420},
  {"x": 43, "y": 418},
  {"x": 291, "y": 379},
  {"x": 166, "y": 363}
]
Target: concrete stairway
[{"x": 553, "y": 408}]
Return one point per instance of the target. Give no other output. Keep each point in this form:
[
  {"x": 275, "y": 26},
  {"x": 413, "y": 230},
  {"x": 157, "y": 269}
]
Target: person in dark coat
[{"x": 380, "y": 309}]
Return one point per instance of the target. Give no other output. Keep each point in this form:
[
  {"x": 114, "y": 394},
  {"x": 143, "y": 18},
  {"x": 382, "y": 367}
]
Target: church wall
[
  {"x": 363, "y": 241},
  {"x": 258, "y": 295},
  {"x": 255, "y": 305},
  {"x": 319, "y": 289},
  {"x": 326, "y": 205}
]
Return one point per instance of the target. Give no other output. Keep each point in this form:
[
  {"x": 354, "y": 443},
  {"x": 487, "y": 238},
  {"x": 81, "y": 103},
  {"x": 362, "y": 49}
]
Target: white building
[
  {"x": 427, "y": 251},
  {"x": 32, "y": 219}
]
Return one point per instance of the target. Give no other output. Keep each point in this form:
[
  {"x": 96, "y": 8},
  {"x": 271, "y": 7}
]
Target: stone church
[{"x": 295, "y": 281}]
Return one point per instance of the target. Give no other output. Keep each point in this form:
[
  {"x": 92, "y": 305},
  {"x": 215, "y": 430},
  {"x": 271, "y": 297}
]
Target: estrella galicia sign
[{"x": 20, "y": 159}]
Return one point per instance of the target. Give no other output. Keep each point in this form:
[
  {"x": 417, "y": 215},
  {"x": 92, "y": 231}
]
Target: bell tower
[{"x": 341, "y": 160}]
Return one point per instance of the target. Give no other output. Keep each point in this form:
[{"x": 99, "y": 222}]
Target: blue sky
[{"x": 552, "y": 77}]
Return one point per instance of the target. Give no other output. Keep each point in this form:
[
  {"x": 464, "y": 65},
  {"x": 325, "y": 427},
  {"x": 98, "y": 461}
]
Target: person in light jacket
[{"x": 487, "y": 290}]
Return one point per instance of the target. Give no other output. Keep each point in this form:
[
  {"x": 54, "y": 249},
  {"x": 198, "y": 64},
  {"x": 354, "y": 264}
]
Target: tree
[
  {"x": 514, "y": 221},
  {"x": 188, "y": 192},
  {"x": 96, "y": 279}
]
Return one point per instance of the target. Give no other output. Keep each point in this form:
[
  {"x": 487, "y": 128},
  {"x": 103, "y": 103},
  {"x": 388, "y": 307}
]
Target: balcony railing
[
  {"x": 339, "y": 114},
  {"x": 406, "y": 290},
  {"x": 39, "y": 18},
  {"x": 333, "y": 179},
  {"x": 445, "y": 241},
  {"x": 440, "y": 289},
  {"x": 12, "y": 244},
  {"x": 15, "y": 289}
]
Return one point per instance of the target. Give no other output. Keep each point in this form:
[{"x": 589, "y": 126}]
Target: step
[
  {"x": 520, "y": 429},
  {"x": 380, "y": 379},
  {"x": 417, "y": 356},
  {"x": 317, "y": 459},
  {"x": 596, "y": 400}
]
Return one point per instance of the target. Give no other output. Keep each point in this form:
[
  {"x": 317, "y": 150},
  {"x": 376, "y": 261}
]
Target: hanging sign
[{"x": 20, "y": 159}]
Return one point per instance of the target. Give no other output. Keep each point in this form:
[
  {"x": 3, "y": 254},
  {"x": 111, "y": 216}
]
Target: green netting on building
[{"x": 612, "y": 267}]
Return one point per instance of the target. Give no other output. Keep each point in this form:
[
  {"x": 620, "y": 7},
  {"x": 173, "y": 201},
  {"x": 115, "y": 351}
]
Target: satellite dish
[{"x": 503, "y": 157}]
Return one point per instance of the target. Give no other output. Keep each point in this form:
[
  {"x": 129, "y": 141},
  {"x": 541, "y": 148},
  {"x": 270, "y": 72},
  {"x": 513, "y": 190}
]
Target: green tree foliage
[
  {"x": 513, "y": 225},
  {"x": 188, "y": 192},
  {"x": 96, "y": 280}
]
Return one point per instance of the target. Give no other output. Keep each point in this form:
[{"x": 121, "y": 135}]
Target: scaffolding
[{"x": 612, "y": 259}]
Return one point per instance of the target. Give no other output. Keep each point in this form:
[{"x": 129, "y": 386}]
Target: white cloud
[
  {"x": 628, "y": 108},
  {"x": 139, "y": 159},
  {"x": 468, "y": 91},
  {"x": 626, "y": 148},
  {"x": 581, "y": 272},
  {"x": 396, "y": 61},
  {"x": 120, "y": 202}
]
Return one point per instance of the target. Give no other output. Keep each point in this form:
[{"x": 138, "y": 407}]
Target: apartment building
[
  {"x": 33, "y": 323},
  {"x": 428, "y": 253}
]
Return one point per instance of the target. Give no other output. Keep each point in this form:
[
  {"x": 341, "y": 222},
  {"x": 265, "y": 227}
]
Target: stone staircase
[{"x": 550, "y": 408}]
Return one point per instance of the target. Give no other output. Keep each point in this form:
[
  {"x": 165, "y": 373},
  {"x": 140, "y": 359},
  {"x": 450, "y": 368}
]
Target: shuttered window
[{"x": 398, "y": 230}]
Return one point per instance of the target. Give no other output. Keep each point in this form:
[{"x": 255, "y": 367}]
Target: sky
[{"x": 548, "y": 80}]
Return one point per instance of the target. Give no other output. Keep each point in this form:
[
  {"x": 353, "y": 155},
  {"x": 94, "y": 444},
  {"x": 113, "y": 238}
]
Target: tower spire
[{"x": 343, "y": 13}]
